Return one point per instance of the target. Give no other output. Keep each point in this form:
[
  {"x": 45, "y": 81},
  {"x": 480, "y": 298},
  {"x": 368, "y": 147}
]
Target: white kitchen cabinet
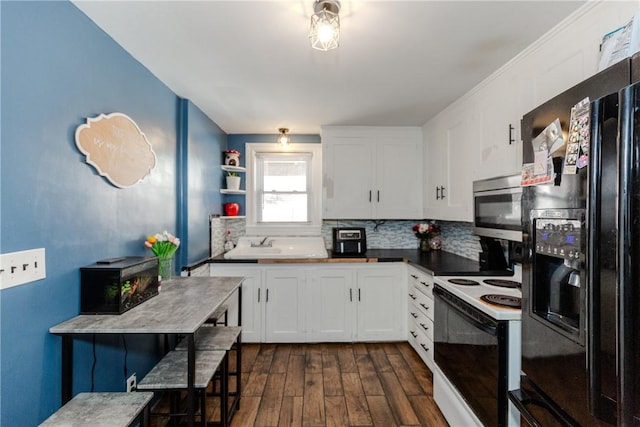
[
  {"x": 420, "y": 309},
  {"x": 320, "y": 303},
  {"x": 451, "y": 156},
  {"x": 252, "y": 298},
  {"x": 381, "y": 303},
  {"x": 372, "y": 172},
  {"x": 500, "y": 106},
  {"x": 285, "y": 307},
  {"x": 331, "y": 314}
]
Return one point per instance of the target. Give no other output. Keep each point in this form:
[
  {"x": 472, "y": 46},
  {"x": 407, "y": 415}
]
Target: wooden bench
[{"x": 102, "y": 410}]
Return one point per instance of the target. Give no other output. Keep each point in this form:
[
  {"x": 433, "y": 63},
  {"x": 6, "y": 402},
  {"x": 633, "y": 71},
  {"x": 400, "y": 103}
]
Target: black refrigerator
[{"x": 581, "y": 272}]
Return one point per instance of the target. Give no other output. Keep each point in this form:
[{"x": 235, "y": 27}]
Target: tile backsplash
[{"x": 457, "y": 237}]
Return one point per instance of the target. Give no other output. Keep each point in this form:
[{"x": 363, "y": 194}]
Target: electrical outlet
[
  {"x": 17, "y": 268},
  {"x": 132, "y": 383}
]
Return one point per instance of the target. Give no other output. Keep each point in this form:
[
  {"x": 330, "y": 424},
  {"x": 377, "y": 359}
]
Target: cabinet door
[
  {"x": 450, "y": 155},
  {"x": 285, "y": 305},
  {"x": 331, "y": 313},
  {"x": 500, "y": 144},
  {"x": 381, "y": 303},
  {"x": 252, "y": 299},
  {"x": 398, "y": 189},
  {"x": 348, "y": 178}
]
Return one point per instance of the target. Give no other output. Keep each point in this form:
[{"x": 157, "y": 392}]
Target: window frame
[{"x": 311, "y": 228}]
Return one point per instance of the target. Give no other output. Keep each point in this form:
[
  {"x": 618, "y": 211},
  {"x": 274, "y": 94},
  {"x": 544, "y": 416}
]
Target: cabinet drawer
[
  {"x": 422, "y": 322},
  {"x": 422, "y": 282},
  {"x": 423, "y": 346},
  {"x": 424, "y": 304}
]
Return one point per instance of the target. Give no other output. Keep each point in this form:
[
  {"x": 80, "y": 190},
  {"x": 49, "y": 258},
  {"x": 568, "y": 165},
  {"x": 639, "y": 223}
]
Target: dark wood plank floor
[{"x": 381, "y": 384}]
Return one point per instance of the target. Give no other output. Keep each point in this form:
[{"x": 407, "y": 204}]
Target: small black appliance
[{"x": 349, "y": 241}]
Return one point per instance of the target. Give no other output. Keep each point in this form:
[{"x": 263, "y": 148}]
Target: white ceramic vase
[{"x": 233, "y": 182}]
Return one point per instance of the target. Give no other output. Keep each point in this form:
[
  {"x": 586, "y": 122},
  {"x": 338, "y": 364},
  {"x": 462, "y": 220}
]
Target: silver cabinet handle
[
  {"x": 425, "y": 327},
  {"x": 414, "y": 334},
  {"x": 413, "y": 297},
  {"x": 424, "y": 346},
  {"x": 414, "y": 315},
  {"x": 422, "y": 304}
]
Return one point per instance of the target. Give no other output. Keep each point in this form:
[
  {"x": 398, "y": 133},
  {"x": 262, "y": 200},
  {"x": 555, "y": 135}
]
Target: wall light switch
[{"x": 18, "y": 268}]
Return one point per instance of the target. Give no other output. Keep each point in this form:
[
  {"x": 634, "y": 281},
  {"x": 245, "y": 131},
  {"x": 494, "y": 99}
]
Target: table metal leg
[
  {"x": 67, "y": 368},
  {"x": 191, "y": 374}
]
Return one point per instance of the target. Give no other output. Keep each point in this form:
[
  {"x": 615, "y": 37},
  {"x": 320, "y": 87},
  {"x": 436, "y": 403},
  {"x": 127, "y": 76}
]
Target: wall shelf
[
  {"x": 232, "y": 217},
  {"x": 233, "y": 168},
  {"x": 225, "y": 191}
]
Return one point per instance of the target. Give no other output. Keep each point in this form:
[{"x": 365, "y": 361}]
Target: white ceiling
[{"x": 248, "y": 65}]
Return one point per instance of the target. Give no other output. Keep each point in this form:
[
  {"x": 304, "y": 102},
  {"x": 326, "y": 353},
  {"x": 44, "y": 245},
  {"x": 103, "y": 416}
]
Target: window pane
[
  {"x": 287, "y": 207},
  {"x": 285, "y": 175}
]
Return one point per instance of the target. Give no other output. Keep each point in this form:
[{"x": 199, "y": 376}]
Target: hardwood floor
[{"x": 380, "y": 384}]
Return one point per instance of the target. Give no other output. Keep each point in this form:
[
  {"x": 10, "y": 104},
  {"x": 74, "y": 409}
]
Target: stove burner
[
  {"x": 502, "y": 300},
  {"x": 502, "y": 283},
  {"x": 464, "y": 282}
]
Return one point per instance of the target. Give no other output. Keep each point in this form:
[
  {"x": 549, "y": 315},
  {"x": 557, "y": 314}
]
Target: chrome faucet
[{"x": 262, "y": 243}]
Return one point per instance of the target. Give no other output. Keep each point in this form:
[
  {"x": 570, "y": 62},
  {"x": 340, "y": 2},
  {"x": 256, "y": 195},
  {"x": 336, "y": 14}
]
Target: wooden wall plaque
[{"x": 116, "y": 147}]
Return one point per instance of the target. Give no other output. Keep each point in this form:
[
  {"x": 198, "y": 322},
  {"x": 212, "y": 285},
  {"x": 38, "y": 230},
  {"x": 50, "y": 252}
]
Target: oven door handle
[{"x": 488, "y": 328}]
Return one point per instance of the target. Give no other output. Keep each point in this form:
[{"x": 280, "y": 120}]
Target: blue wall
[{"x": 57, "y": 69}]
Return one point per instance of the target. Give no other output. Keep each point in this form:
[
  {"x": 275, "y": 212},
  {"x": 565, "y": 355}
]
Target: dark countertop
[{"x": 441, "y": 263}]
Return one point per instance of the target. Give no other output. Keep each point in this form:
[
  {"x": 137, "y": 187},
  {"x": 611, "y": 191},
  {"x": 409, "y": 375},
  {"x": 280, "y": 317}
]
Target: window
[{"x": 284, "y": 189}]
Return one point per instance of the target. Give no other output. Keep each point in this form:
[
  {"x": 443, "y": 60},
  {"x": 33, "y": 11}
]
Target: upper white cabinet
[
  {"x": 500, "y": 107},
  {"x": 483, "y": 126},
  {"x": 450, "y": 154},
  {"x": 372, "y": 172}
]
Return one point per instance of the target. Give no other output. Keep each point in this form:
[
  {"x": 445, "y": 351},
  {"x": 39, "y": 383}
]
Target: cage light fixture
[
  {"x": 283, "y": 138},
  {"x": 325, "y": 25}
]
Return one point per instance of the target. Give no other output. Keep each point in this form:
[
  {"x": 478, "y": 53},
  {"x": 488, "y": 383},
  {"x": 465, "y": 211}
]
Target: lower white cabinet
[
  {"x": 380, "y": 303},
  {"x": 420, "y": 313},
  {"x": 331, "y": 314},
  {"x": 320, "y": 303},
  {"x": 285, "y": 305},
  {"x": 252, "y": 298}
]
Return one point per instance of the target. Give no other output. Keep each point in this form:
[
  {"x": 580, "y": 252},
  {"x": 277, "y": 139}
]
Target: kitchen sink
[{"x": 264, "y": 247}]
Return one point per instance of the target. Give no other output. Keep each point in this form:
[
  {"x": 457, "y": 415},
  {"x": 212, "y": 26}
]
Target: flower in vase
[
  {"x": 163, "y": 245},
  {"x": 426, "y": 230}
]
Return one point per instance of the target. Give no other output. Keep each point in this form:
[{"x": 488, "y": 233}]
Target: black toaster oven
[{"x": 349, "y": 241}]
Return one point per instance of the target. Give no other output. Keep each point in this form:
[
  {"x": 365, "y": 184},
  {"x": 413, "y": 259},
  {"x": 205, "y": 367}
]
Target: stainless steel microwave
[{"x": 497, "y": 210}]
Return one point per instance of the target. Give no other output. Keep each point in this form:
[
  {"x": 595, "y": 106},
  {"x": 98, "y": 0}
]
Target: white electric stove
[
  {"x": 485, "y": 292},
  {"x": 477, "y": 338}
]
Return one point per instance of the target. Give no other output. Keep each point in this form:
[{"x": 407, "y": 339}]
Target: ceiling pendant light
[
  {"x": 325, "y": 25},
  {"x": 284, "y": 138}
]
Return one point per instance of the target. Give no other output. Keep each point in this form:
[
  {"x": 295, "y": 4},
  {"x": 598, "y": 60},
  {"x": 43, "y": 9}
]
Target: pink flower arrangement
[{"x": 426, "y": 230}]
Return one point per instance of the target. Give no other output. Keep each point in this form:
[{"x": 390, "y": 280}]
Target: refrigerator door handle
[{"x": 628, "y": 211}]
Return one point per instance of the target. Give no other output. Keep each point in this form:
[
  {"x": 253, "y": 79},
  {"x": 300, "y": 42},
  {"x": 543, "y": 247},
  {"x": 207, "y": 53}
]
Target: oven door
[{"x": 471, "y": 351}]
